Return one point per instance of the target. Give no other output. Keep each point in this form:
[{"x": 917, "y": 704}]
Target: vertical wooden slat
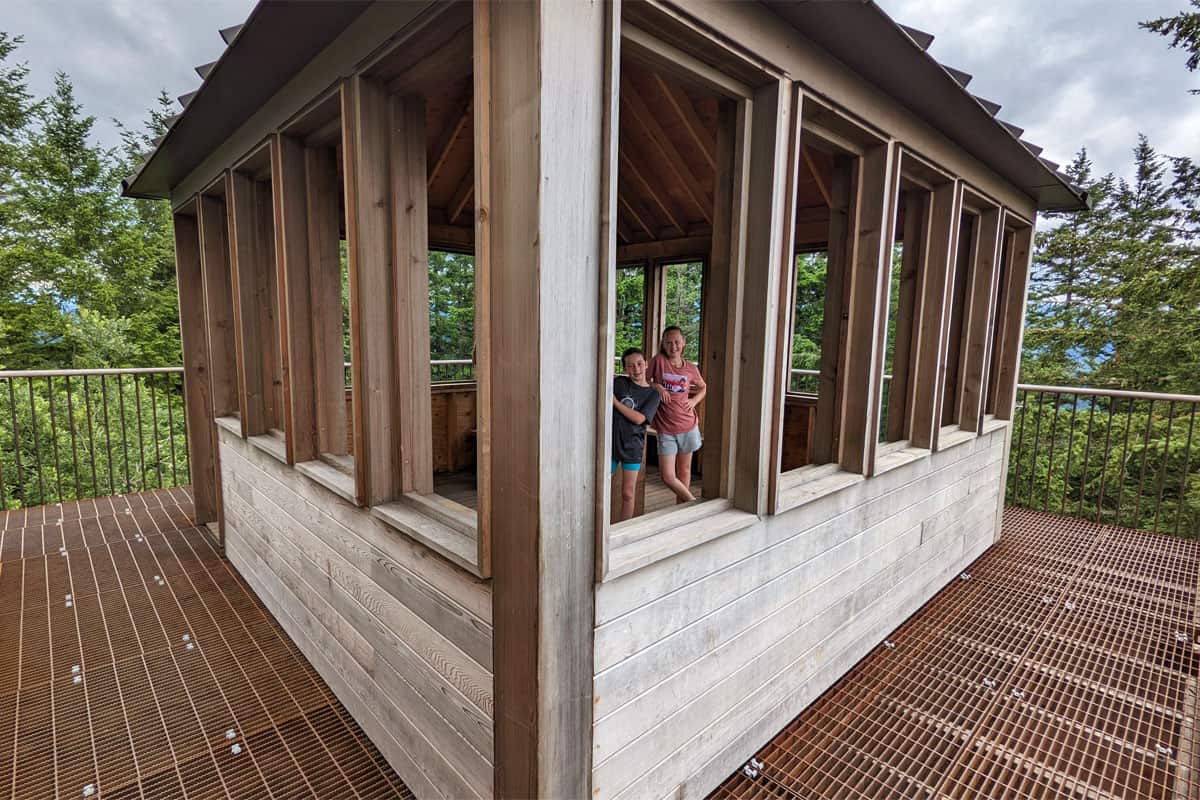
[
  {"x": 482, "y": 120},
  {"x": 270, "y": 305},
  {"x": 247, "y": 280},
  {"x": 771, "y": 162},
  {"x": 608, "y": 491},
  {"x": 953, "y": 352},
  {"x": 826, "y": 438},
  {"x": 1013, "y": 330},
  {"x": 867, "y": 291},
  {"x": 926, "y": 373},
  {"x": 547, "y": 62},
  {"x": 197, "y": 389},
  {"x": 908, "y": 307},
  {"x": 325, "y": 288},
  {"x": 295, "y": 302},
  {"x": 365, "y": 142},
  {"x": 218, "y": 304},
  {"x": 410, "y": 227},
  {"x": 977, "y": 326},
  {"x": 786, "y": 291}
]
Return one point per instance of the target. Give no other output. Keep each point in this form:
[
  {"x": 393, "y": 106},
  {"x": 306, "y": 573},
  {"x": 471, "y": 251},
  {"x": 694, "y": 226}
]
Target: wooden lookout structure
[{"x": 443, "y": 552}]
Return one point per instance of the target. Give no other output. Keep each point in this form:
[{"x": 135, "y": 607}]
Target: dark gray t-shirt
[{"x": 629, "y": 440}]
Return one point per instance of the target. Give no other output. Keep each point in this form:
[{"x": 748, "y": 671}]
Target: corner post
[{"x": 546, "y": 92}]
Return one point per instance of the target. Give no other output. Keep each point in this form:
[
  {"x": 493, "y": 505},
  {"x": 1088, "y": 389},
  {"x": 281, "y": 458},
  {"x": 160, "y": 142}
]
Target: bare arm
[{"x": 636, "y": 417}]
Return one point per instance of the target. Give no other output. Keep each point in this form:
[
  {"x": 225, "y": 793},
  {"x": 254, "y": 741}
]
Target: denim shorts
[{"x": 670, "y": 444}]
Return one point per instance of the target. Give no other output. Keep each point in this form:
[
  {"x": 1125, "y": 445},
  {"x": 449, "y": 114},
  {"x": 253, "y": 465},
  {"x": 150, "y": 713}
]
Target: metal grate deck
[
  {"x": 1064, "y": 666},
  {"x": 134, "y": 662}
]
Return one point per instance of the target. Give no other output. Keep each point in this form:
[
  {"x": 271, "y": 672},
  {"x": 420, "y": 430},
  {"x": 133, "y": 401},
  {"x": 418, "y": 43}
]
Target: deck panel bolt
[
  {"x": 889, "y": 644},
  {"x": 236, "y": 748},
  {"x": 89, "y": 790}
]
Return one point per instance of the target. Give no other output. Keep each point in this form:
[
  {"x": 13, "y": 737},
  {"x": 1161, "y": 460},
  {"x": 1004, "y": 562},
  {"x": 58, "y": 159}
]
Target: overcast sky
[{"x": 1071, "y": 72}]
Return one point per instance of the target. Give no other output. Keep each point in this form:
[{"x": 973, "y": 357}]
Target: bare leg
[
  {"x": 628, "y": 493},
  {"x": 666, "y": 470},
  {"x": 683, "y": 471}
]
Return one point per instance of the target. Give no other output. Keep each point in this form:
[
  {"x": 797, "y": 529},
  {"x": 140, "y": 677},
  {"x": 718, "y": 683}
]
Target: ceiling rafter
[
  {"x": 810, "y": 162},
  {"x": 632, "y": 208},
  {"x": 682, "y": 105},
  {"x": 450, "y": 136},
  {"x": 641, "y": 115},
  {"x": 640, "y": 179},
  {"x": 462, "y": 197}
]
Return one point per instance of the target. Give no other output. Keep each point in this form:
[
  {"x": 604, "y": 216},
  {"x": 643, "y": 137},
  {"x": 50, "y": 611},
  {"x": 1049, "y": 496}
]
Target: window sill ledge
[
  {"x": 670, "y": 532},
  {"x": 270, "y": 444},
  {"x": 898, "y": 456},
  {"x": 332, "y": 479},
  {"x": 952, "y": 436},
  {"x": 807, "y": 484},
  {"x": 231, "y": 424},
  {"x": 439, "y": 524},
  {"x": 991, "y": 425}
]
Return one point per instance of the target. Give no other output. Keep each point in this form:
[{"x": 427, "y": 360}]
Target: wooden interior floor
[
  {"x": 1063, "y": 663},
  {"x": 136, "y": 663}
]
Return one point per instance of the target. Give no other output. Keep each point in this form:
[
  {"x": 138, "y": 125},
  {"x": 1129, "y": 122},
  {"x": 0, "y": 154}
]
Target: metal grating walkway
[
  {"x": 1063, "y": 665},
  {"x": 134, "y": 662}
]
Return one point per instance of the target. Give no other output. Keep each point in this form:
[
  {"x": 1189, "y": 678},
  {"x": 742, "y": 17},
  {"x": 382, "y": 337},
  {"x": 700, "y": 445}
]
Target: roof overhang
[
  {"x": 276, "y": 41},
  {"x": 864, "y": 38}
]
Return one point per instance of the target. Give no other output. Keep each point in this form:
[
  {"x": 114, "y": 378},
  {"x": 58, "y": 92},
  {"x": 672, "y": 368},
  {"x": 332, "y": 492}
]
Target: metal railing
[
  {"x": 1116, "y": 457},
  {"x": 74, "y": 434},
  {"x": 445, "y": 370}
]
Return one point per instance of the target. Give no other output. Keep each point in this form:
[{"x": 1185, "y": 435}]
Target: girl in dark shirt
[{"x": 635, "y": 402}]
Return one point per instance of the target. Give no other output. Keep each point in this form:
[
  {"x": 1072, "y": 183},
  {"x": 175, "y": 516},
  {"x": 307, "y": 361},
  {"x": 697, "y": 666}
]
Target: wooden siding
[
  {"x": 403, "y": 637},
  {"x": 701, "y": 658}
]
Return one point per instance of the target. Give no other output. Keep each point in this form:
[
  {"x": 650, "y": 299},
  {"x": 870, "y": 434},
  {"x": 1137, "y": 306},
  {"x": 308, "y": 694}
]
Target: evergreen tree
[{"x": 1184, "y": 32}]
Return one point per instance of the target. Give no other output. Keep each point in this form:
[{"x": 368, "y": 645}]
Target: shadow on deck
[
  {"x": 137, "y": 663},
  {"x": 1062, "y": 664}
]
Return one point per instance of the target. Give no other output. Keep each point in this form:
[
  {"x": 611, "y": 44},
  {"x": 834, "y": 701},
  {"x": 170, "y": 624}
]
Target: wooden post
[
  {"x": 325, "y": 289},
  {"x": 248, "y": 292},
  {"x": 365, "y": 147},
  {"x": 218, "y": 304},
  {"x": 977, "y": 326},
  {"x": 482, "y": 120},
  {"x": 867, "y": 294},
  {"x": 930, "y": 324},
  {"x": 547, "y": 61},
  {"x": 908, "y": 310},
  {"x": 826, "y": 434},
  {"x": 771, "y": 163},
  {"x": 410, "y": 247},
  {"x": 1012, "y": 331},
  {"x": 295, "y": 301},
  {"x": 196, "y": 388}
]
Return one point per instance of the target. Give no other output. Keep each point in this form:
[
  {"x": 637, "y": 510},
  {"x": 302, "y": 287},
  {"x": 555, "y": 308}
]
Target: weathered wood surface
[
  {"x": 409, "y": 634},
  {"x": 698, "y": 655}
]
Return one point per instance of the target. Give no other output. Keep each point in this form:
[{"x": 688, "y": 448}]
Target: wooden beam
[
  {"x": 690, "y": 247},
  {"x": 196, "y": 388},
  {"x": 640, "y": 113},
  {"x": 825, "y": 440},
  {"x": 633, "y": 208},
  {"x": 546, "y": 218},
  {"x": 681, "y": 104},
  {"x": 295, "y": 302},
  {"x": 457, "y": 125},
  {"x": 249, "y": 268},
  {"x": 785, "y": 290},
  {"x": 815, "y": 172},
  {"x": 462, "y": 197},
  {"x": 482, "y": 243},
  {"x": 1012, "y": 329},
  {"x": 867, "y": 291},
  {"x": 933, "y": 288},
  {"x": 766, "y": 242},
  {"x": 977, "y": 327},
  {"x": 218, "y": 304},
  {"x": 908, "y": 309},
  {"x": 365, "y": 142},
  {"x": 639, "y": 178},
  {"x": 325, "y": 287},
  {"x": 446, "y": 63},
  {"x": 410, "y": 249}
]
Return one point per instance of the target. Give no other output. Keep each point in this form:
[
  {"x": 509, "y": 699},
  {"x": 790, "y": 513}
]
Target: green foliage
[
  {"x": 451, "y": 305},
  {"x": 1184, "y": 31},
  {"x": 1115, "y": 291},
  {"x": 683, "y": 301},
  {"x": 631, "y": 303}
]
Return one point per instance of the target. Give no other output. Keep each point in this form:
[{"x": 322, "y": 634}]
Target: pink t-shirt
[{"x": 674, "y": 416}]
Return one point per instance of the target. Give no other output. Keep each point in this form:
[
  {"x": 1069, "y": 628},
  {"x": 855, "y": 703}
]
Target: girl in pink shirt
[{"x": 678, "y": 427}]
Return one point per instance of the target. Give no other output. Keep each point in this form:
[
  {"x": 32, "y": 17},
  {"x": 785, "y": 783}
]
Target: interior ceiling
[{"x": 667, "y": 158}]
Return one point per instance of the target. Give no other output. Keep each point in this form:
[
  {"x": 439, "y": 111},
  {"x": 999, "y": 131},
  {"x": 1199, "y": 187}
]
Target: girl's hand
[
  {"x": 692, "y": 402},
  {"x": 662, "y": 390}
]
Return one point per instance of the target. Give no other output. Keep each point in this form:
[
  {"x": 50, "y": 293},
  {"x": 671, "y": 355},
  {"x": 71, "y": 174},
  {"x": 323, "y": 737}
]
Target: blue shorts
[
  {"x": 630, "y": 467},
  {"x": 670, "y": 444}
]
